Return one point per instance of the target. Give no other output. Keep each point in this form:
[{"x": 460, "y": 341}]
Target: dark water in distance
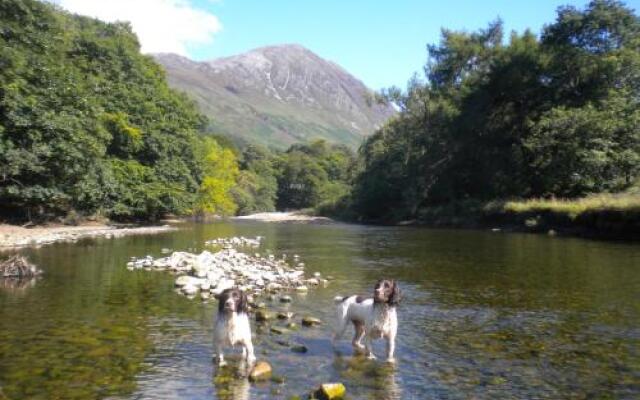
[{"x": 485, "y": 315}]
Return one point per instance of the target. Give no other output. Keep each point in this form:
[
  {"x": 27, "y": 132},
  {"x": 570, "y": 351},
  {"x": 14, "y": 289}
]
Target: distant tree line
[{"x": 555, "y": 115}]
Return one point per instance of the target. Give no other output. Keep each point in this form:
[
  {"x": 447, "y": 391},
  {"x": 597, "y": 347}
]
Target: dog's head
[
  {"x": 387, "y": 291},
  {"x": 233, "y": 300}
]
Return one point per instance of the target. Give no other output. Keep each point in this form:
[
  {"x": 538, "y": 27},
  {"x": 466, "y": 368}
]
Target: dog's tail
[{"x": 339, "y": 299}]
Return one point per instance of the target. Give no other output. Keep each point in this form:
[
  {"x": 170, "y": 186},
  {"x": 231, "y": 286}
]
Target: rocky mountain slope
[{"x": 278, "y": 95}]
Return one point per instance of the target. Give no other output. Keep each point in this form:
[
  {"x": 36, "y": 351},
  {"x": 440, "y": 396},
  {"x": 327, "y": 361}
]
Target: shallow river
[{"x": 485, "y": 315}]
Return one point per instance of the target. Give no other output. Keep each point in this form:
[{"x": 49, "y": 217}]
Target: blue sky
[{"x": 381, "y": 42}]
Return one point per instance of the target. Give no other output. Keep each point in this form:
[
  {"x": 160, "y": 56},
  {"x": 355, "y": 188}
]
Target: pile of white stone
[
  {"x": 211, "y": 273},
  {"x": 236, "y": 241}
]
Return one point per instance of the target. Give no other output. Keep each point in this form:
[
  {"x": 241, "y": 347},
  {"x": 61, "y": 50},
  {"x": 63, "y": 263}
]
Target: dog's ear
[
  {"x": 243, "y": 306},
  {"x": 396, "y": 294}
]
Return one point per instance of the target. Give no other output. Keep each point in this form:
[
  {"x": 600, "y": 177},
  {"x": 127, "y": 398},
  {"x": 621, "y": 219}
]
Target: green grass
[{"x": 574, "y": 207}]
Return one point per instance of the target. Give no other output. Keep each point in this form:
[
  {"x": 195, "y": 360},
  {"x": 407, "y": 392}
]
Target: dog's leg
[
  {"x": 341, "y": 327},
  {"x": 220, "y": 356},
  {"x": 357, "y": 338},
  {"x": 247, "y": 352},
  {"x": 367, "y": 345},
  {"x": 391, "y": 347}
]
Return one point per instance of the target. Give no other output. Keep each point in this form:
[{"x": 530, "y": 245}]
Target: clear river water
[{"x": 485, "y": 316}]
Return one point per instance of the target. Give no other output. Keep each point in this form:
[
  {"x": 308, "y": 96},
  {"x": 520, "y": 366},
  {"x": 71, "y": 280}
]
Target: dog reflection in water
[
  {"x": 378, "y": 378},
  {"x": 231, "y": 381}
]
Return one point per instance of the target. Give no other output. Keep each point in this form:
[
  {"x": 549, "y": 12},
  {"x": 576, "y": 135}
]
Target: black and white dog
[
  {"x": 372, "y": 318},
  {"x": 232, "y": 325}
]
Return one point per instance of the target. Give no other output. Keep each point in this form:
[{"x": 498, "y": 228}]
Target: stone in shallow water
[
  {"x": 310, "y": 321},
  {"x": 330, "y": 391},
  {"x": 190, "y": 290},
  {"x": 261, "y": 371},
  {"x": 285, "y": 299},
  {"x": 262, "y": 315},
  {"x": 186, "y": 280},
  {"x": 302, "y": 289},
  {"x": 285, "y": 315},
  {"x": 299, "y": 348},
  {"x": 279, "y": 330}
]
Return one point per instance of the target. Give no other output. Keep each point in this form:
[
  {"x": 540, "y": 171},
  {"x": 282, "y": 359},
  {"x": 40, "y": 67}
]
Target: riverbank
[
  {"x": 602, "y": 216},
  {"x": 14, "y": 236},
  {"x": 284, "y": 217}
]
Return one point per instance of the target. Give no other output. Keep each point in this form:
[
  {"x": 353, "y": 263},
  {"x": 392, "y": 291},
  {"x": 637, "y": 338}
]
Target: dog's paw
[
  {"x": 371, "y": 356},
  {"x": 391, "y": 360}
]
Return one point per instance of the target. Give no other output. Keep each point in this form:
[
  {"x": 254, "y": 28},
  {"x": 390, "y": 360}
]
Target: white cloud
[{"x": 163, "y": 26}]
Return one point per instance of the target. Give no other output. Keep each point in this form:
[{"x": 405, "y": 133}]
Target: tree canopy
[{"x": 518, "y": 118}]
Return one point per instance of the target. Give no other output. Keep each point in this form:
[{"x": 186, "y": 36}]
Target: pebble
[{"x": 285, "y": 299}]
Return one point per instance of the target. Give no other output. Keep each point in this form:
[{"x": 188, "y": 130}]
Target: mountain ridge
[{"x": 278, "y": 95}]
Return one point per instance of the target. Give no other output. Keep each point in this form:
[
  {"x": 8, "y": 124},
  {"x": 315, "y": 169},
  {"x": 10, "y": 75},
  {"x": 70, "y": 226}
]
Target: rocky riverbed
[{"x": 210, "y": 273}]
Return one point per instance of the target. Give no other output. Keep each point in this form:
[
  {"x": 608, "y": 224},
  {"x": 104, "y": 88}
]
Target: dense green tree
[
  {"x": 87, "y": 123},
  {"x": 555, "y": 116},
  {"x": 257, "y": 185}
]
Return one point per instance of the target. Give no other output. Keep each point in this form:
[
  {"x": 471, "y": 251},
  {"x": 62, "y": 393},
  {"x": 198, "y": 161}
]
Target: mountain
[{"x": 278, "y": 95}]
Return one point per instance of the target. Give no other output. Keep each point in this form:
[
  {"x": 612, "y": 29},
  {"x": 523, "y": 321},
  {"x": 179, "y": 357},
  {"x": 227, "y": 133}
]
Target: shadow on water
[{"x": 485, "y": 315}]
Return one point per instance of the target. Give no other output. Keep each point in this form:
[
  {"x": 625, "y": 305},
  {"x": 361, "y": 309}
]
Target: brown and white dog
[
  {"x": 232, "y": 325},
  {"x": 372, "y": 318}
]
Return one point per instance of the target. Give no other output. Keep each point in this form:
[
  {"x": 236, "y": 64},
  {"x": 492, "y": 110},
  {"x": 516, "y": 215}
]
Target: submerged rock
[
  {"x": 330, "y": 391},
  {"x": 260, "y": 371},
  {"x": 299, "y": 348}
]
